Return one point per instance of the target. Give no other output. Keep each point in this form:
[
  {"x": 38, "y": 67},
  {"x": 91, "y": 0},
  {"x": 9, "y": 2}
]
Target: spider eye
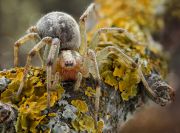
[{"x": 69, "y": 64}]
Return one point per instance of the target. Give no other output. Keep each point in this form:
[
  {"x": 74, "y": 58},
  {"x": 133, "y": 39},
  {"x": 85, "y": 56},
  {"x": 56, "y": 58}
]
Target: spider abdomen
[{"x": 60, "y": 25}]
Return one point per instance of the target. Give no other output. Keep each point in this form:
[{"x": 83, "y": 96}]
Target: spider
[
  {"x": 67, "y": 55},
  {"x": 65, "y": 52}
]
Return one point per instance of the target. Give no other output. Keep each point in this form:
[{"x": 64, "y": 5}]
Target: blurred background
[{"x": 17, "y": 15}]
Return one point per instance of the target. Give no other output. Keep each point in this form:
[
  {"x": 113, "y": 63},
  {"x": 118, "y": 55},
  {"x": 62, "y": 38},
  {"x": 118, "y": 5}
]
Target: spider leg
[
  {"x": 78, "y": 81},
  {"x": 56, "y": 80},
  {"x": 36, "y": 48},
  {"x": 39, "y": 53},
  {"x": 84, "y": 51},
  {"x": 93, "y": 44},
  {"x": 82, "y": 24},
  {"x": 45, "y": 54},
  {"x": 126, "y": 60},
  {"x": 50, "y": 62},
  {"x": 33, "y": 29},
  {"x": 91, "y": 54},
  {"x": 22, "y": 41}
]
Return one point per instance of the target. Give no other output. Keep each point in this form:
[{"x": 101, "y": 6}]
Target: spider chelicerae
[{"x": 66, "y": 55}]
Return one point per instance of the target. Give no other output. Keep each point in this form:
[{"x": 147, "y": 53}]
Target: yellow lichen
[
  {"x": 133, "y": 16},
  {"x": 30, "y": 111},
  {"x": 33, "y": 99},
  {"x": 100, "y": 126},
  {"x": 128, "y": 85},
  {"x": 80, "y": 105},
  {"x": 90, "y": 92},
  {"x": 119, "y": 72},
  {"x": 110, "y": 79},
  {"x": 84, "y": 122}
]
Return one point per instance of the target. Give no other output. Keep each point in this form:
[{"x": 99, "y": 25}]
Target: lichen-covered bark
[
  {"x": 71, "y": 111},
  {"x": 122, "y": 90}
]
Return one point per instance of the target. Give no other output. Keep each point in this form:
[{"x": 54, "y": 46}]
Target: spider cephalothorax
[{"x": 69, "y": 64}]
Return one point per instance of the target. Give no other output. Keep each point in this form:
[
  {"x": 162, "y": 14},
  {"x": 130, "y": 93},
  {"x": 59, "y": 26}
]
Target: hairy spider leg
[
  {"x": 82, "y": 23},
  {"x": 126, "y": 60},
  {"x": 32, "y": 34},
  {"x": 54, "y": 50},
  {"x": 33, "y": 29},
  {"x": 78, "y": 81},
  {"x": 85, "y": 52},
  {"x": 35, "y": 49},
  {"x": 92, "y": 56},
  {"x": 56, "y": 80},
  {"x": 45, "y": 54},
  {"x": 95, "y": 40},
  {"x": 22, "y": 41}
]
